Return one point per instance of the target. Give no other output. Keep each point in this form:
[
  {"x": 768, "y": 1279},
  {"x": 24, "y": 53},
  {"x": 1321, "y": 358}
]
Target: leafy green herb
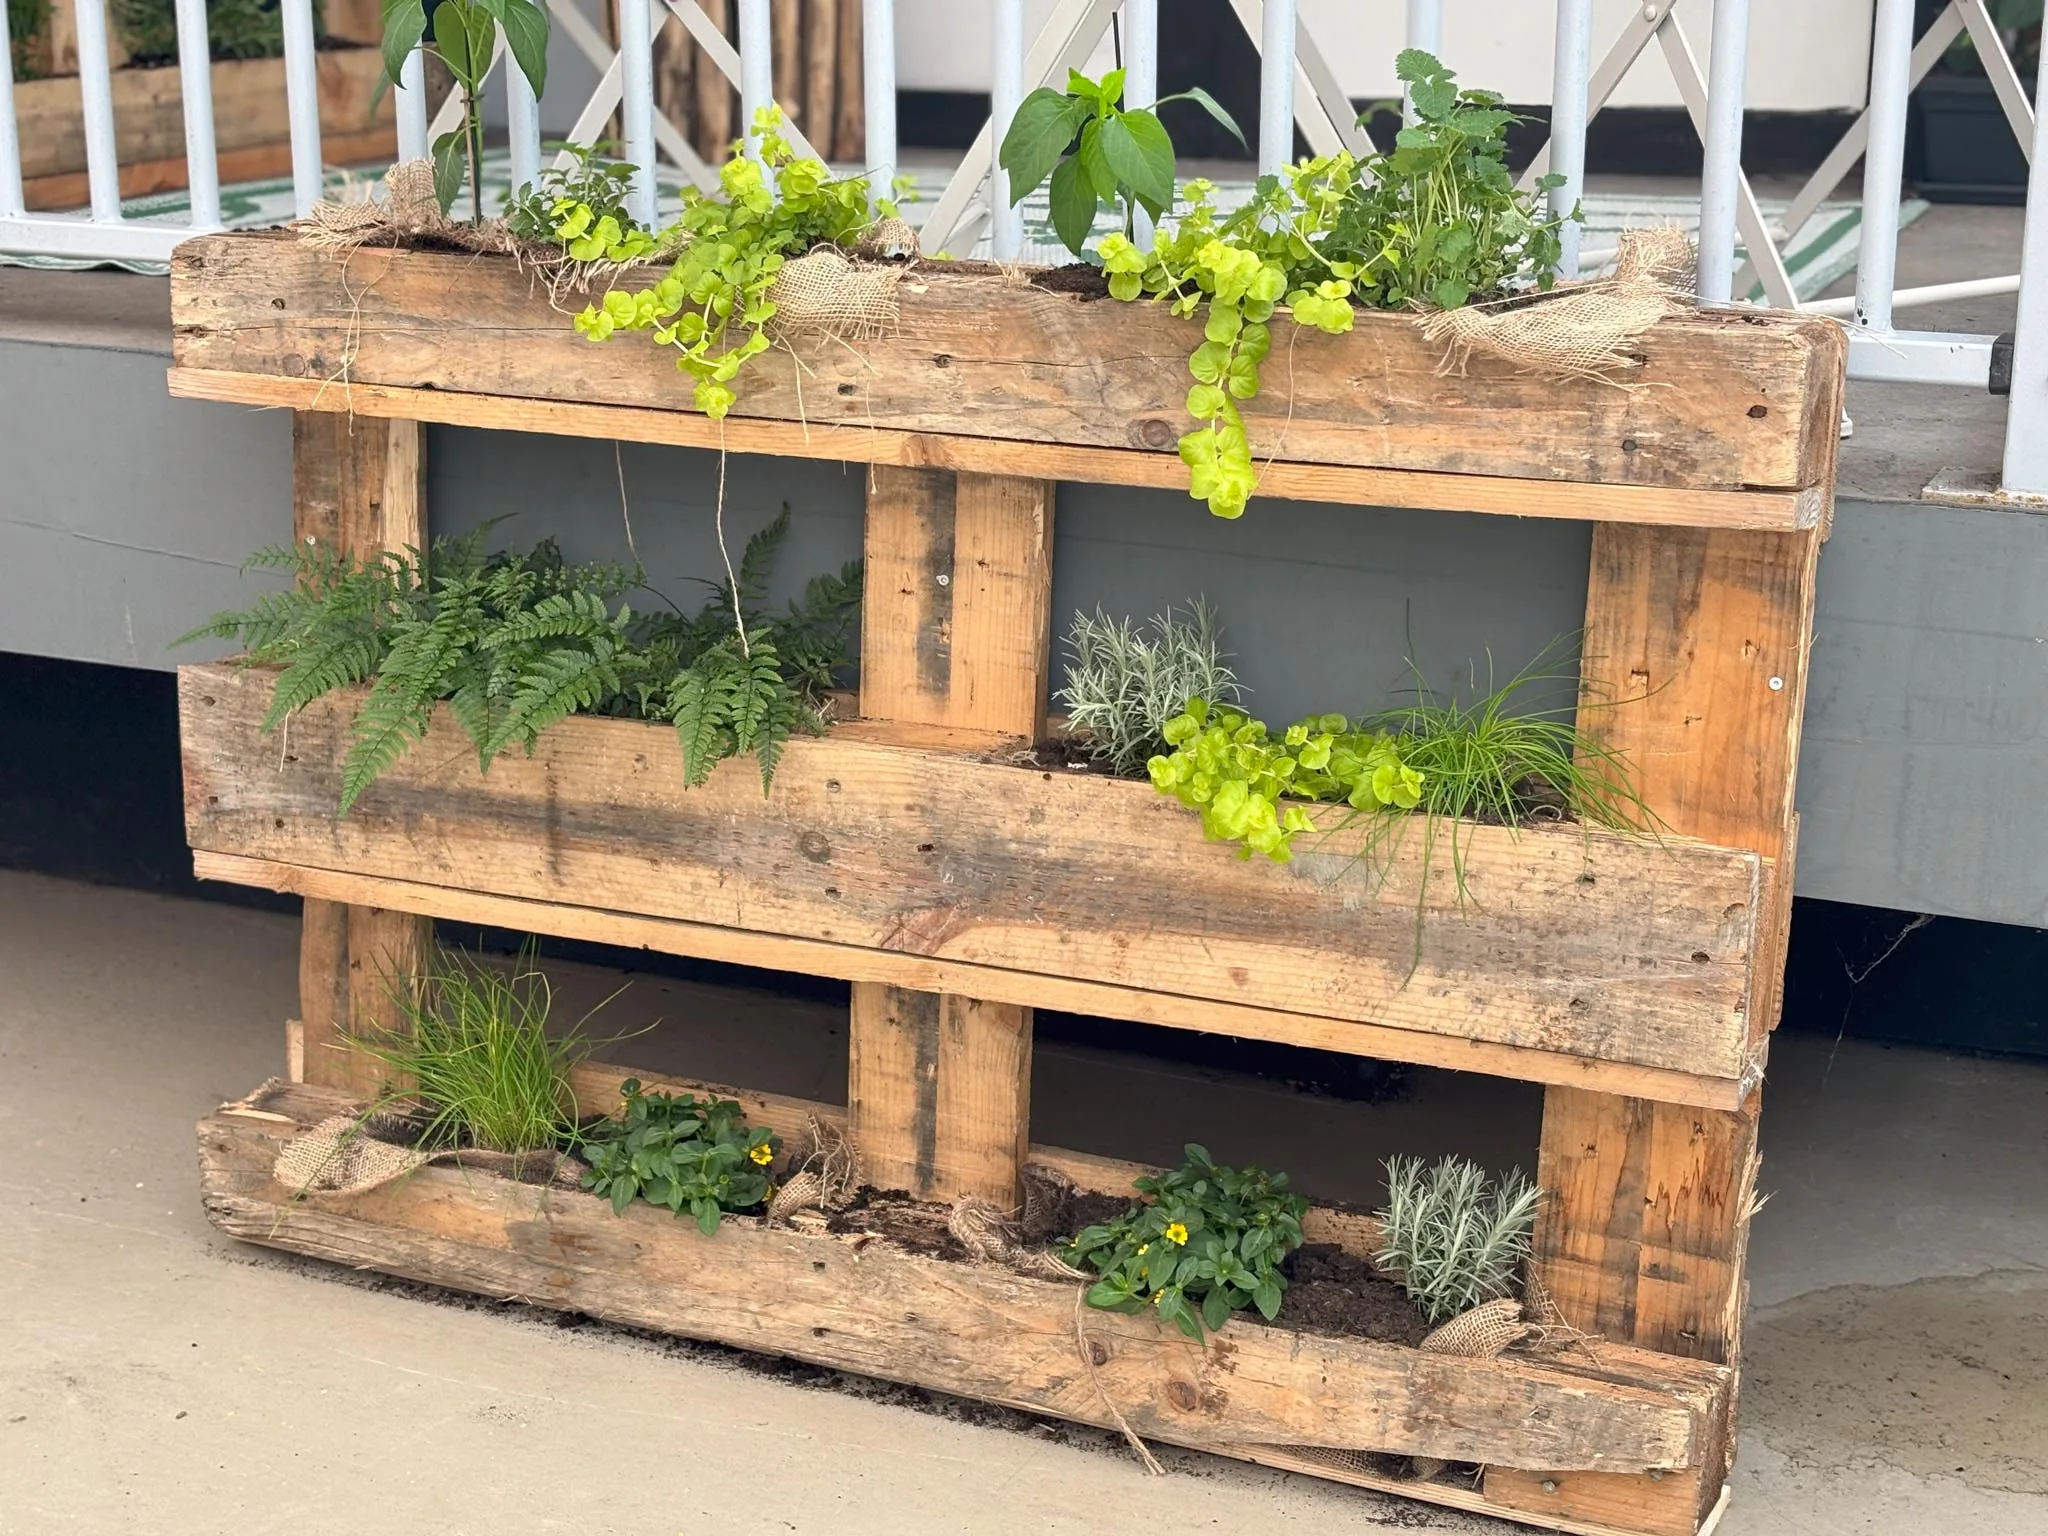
[
  {"x": 1096, "y": 151},
  {"x": 27, "y": 20},
  {"x": 235, "y": 29},
  {"x": 463, "y": 35},
  {"x": 713, "y": 306},
  {"x": 689, "y": 1154},
  {"x": 1125, "y": 681},
  {"x": 582, "y": 207},
  {"x": 1226, "y": 766},
  {"x": 1438, "y": 221},
  {"x": 1207, "y": 1242},
  {"x": 1453, "y": 1236},
  {"x": 515, "y": 642},
  {"x": 475, "y": 1053}
]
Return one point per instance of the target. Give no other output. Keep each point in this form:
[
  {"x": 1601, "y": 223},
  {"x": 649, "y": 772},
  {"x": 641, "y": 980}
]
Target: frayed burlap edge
[
  {"x": 1578, "y": 330},
  {"x": 347, "y": 1155}
]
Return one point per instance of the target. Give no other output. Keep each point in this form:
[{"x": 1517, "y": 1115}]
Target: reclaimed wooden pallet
[{"x": 1710, "y": 492}]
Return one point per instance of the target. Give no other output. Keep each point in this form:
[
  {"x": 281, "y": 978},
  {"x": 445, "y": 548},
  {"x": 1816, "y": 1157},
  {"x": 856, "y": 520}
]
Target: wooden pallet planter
[
  {"x": 251, "y": 135},
  {"x": 976, "y": 1330},
  {"x": 997, "y": 376},
  {"x": 909, "y": 853},
  {"x": 881, "y": 859}
]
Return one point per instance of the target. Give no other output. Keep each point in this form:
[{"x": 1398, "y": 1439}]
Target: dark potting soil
[
  {"x": 892, "y": 1215},
  {"x": 1331, "y": 1291},
  {"x": 1076, "y": 277}
]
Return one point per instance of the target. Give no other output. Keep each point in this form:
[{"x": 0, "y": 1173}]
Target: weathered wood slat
[
  {"x": 811, "y": 957},
  {"x": 1591, "y": 944},
  {"x": 1726, "y": 402},
  {"x": 1341, "y": 484},
  {"x": 978, "y": 1331}
]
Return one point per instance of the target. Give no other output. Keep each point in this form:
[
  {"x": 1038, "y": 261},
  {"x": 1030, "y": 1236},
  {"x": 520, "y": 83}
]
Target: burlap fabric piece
[
  {"x": 1578, "y": 330},
  {"x": 408, "y": 213},
  {"x": 343, "y": 1155},
  {"x": 825, "y": 293}
]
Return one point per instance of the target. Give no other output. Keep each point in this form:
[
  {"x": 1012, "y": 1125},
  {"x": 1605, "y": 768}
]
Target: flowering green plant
[
  {"x": 582, "y": 207},
  {"x": 1206, "y": 1242},
  {"x": 713, "y": 306},
  {"x": 1228, "y": 767},
  {"x": 683, "y": 1152}
]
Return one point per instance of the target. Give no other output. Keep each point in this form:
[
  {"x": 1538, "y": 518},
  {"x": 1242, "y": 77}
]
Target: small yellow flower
[
  {"x": 1176, "y": 1233},
  {"x": 1143, "y": 1249},
  {"x": 763, "y": 1154}
]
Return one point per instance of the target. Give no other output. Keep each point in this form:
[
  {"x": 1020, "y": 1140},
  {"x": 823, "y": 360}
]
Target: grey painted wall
[{"x": 125, "y": 514}]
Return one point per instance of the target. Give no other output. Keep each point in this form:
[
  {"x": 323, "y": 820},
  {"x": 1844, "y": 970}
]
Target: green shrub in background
[
  {"x": 26, "y": 21},
  {"x": 236, "y": 29}
]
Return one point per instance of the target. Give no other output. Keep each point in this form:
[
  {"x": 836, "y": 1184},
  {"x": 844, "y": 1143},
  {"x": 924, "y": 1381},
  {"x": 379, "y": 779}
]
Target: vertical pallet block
[
  {"x": 358, "y": 487},
  {"x": 1703, "y": 637},
  {"x": 955, "y": 633}
]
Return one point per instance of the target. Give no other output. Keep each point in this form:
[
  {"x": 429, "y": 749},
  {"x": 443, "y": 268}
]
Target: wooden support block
[
  {"x": 357, "y": 486},
  {"x": 952, "y": 1072},
  {"x": 956, "y": 631},
  {"x": 1659, "y": 1504},
  {"x": 1695, "y": 667}
]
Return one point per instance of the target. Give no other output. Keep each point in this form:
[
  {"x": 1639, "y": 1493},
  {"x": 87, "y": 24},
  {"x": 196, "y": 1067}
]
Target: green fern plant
[
  {"x": 1452, "y": 1236},
  {"x": 513, "y": 642}
]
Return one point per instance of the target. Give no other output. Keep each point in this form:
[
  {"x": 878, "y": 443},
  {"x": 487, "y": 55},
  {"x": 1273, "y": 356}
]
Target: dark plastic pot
[{"x": 1960, "y": 149}]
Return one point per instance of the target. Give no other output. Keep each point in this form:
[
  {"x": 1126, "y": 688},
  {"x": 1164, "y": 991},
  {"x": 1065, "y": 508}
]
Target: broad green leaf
[
  {"x": 1073, "y": 206},
  {"x": 405, "y": 23},
  {"x": 1210, "y": 105},
  {"x": 526, "y": 37},
  {"x": 1095, "y": 161},
  {"x": 1138, "y": 155},
  {"x": 1044, "y": 126},
  {"x": 450, "y": 164}
]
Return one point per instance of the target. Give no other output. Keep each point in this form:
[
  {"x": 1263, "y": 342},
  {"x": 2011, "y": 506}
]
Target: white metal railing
[{"x": 1298, "y": 91}]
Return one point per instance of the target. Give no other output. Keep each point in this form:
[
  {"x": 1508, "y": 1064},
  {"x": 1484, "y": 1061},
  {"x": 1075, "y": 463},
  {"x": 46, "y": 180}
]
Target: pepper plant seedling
[
  {"x": 1095, "y": 150},
  {"x": 463, "y": 35}
]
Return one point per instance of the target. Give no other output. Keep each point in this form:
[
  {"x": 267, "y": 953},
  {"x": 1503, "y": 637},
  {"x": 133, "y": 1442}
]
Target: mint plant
[
  {"x": 682, "y": 1152},
  {"x": 1096, "y": 151},
  {"x": 1208, "y": 1241}
]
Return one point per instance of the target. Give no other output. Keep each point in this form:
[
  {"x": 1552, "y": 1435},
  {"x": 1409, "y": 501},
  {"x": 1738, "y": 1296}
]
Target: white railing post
[
  {"x": 96, "y": 95},
  {"x": 1571, "y": 66},
  {"x": 1276, "y": 86},
  {"x": 10, "y": 143},
  {"x": 1884, "y": 162},
  {"x": 412, "y": 107},
  {"x": 1425, "y": 31},
  {"x": 878, "y": 90},
  {"x": 636, "y": 109},
  {"x": 2026, "y": 421},
  {"x": 522, "y": 122},
  {"x": 757, "y": 68},
  {"x": 195, "y": 83},
  {"x": 1141, "y": 79},
  {"x": 1721, "y": 173},
  {"x": 302, "y": 103},
  {"x": 1006, "y": 90}
]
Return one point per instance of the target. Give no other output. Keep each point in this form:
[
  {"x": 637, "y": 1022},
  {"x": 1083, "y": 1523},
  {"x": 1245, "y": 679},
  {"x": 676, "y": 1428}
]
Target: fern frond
[
  {"x": 387, "y": 725},
  {"x": 558, "y": 684},
  {"x": 700, "y": 702},
  {"x": 758, "y": 558},
  {"x": 323, "y": 665}
]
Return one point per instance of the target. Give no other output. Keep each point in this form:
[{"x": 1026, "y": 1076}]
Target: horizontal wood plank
[
  {"x": 979, "y": 1331},
  {"x": 1723, "y": 402},
  {"x": 1572, "y": 941},
  {"x": 1343, "y": 485}
]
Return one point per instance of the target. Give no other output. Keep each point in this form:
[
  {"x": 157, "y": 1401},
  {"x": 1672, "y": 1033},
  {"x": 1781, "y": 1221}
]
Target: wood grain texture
[
  {"x": 1674, "y": 1504},
  {"x": 323, "y": 998},
  {"x": 956, "y": 627},
  {"x": 975, "y": 1330},
  {"x": 1725, "y": 400},
  {"x": 1337, "y": 484},
  {"x": 941, "y": 854},
  {"x": 248, "y": 104},
  {"x": 821, "y": 75},
  {"x": 921, "y": 973},
  {"x": 850, "y": 119},
  {"x": 717, "y": 106},
  {"x": 786, "y": 35}
]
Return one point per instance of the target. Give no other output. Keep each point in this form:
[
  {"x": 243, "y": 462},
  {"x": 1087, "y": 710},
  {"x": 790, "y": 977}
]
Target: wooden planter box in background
[{"x": 252, "y": 135}]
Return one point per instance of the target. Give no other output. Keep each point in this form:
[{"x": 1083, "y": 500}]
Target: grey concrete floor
[{"x": 157, "y": 1378}]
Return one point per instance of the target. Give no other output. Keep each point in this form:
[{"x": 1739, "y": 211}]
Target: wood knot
[
  {"x": 1098, "y": 1351},
  {"x": 815, "y": 847},
  {"x": 1182, "y": 1395},
  {"x": 1154, "y": 433}
]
